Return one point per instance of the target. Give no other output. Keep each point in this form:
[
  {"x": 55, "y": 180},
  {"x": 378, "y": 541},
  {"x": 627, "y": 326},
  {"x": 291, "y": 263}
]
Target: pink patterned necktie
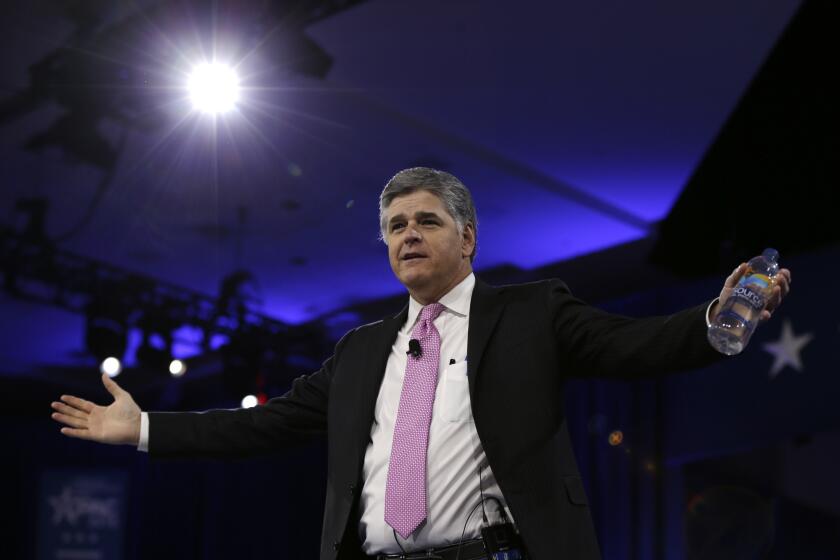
[{"x": 405, "y": 492}]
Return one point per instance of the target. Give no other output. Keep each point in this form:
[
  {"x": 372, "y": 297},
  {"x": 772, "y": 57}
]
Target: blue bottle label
[{"x": 750, "y": 290}]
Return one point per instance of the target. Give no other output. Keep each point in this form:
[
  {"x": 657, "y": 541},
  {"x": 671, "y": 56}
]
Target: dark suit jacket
[{"x": 524, "y": 342}]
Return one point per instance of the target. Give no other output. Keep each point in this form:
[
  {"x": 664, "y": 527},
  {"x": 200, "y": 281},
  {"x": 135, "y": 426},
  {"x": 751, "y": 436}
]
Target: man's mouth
[{"x": 412, "y": 256}]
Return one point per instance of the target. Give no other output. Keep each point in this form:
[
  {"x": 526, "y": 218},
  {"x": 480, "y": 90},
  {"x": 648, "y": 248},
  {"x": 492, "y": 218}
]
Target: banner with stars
[
  {"x": 81, "y": 515},
  {"x": 784, "y": 384}
]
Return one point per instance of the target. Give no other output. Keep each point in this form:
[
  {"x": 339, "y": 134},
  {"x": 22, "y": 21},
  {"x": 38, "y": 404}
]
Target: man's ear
[{"x": 468, "y": 240}]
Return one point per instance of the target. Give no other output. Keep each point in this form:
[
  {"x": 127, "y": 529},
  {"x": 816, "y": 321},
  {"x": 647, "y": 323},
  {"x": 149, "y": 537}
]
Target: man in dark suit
[{"x": 448, "y": 416}]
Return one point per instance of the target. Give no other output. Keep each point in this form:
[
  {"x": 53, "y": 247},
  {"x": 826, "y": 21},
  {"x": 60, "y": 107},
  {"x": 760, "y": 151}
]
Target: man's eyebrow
[{"x": 420, "y": 215}]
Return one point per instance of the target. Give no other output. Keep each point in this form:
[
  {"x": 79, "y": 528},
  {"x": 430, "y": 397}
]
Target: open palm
[{"x": 117, "y": 423}]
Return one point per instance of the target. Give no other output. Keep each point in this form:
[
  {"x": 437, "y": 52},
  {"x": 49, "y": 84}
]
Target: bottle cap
[{"x": 771, "y": 255}]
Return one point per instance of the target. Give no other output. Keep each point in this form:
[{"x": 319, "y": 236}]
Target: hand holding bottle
[
  {"x": 780, "y": 290},
  {"x": 750, "y": 295}
]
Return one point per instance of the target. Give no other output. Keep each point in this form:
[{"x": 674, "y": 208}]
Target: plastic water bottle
[{"x": 735, "y": 322}]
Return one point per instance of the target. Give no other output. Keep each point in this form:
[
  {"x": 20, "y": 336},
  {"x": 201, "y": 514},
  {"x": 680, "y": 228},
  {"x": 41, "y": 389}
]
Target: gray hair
[{"x": 455, "y": 196}]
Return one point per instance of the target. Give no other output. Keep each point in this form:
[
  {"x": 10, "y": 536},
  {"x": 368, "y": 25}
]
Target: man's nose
[{"x": 412, "y": 235}]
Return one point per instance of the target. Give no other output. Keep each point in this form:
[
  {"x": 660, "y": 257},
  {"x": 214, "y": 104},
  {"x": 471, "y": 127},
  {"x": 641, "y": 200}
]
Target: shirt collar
[{"x": 456, "y": 300}]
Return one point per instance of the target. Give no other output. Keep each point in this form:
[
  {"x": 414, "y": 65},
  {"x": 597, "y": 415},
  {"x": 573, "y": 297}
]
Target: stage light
[
  {"x": 177, "y": 368},
  {"x": 250, "y": 401},
  {"x": 111, "y": 366},
  {"x": 213, "y": 88},
  {"x": 616, "y": 438}
]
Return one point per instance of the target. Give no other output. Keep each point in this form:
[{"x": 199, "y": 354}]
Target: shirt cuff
[
  {"x": 143, "y": 444},
  {"x": 708, "y": 310}
]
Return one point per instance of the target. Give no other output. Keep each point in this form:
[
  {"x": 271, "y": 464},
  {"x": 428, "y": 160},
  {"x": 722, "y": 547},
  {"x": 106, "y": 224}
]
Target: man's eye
[
  {"x": 395, "y": 227},
  {"x": 430, "y": 222}
]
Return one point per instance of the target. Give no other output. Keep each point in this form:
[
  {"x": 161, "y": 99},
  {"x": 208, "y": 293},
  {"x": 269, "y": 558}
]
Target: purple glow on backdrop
[
  {"x": 39, "y": 334},
  {"x": 647, "y": 191}
]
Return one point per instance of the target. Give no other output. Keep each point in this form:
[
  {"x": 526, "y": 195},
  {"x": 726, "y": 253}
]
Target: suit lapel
[
  {"x": 373, "y": 370},
  {"x": 485, "y": 310}
]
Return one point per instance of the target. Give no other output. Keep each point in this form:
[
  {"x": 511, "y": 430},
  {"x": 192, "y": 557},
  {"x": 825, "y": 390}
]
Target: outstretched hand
[
  {"x": 781, "y": 287},
  {"x": 117, "y": 423}
]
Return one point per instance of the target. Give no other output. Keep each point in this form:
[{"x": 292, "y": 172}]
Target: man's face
[{"x": 427, "y": 254}]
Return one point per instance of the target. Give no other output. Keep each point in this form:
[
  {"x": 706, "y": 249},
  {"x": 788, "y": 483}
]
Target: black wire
[
  {"x": 396, "y": 540},
  {"x": 467, "y": 520},
  {"x": 501, "y": 507},
  {"x": 499, "y": 503},
  {"x": 464, "y": 531},
  {"x": 481, "y": 493}
]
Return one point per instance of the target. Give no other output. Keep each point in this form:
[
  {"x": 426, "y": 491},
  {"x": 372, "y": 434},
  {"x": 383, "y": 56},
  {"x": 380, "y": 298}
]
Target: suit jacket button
[
  {"x": 352, "y": 489},
  {"x": 336, "y": 546}
]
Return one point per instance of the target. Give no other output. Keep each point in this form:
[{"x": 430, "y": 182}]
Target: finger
[
  {"x": 76, "y": 433},
  {"x": 76, "y": 402},
  {"x": 786, "y": 273},
  {"x": 71, "y": 421},
  {"x": 774, "y": 299},
  {"x": 733, "y": 276},
  {"x": 112, "y": 386},
  {"x": 732, "y": 279},
  {"x": 783, "y": 280},
  {"x": 68, "y": 410},
  {"x": 765, "y": 315},
  {"x": 778, "y": 293}
]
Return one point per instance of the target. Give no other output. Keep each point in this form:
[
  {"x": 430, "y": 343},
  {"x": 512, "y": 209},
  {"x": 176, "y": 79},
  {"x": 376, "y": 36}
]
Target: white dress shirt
[{"x": 454, "y": 454}]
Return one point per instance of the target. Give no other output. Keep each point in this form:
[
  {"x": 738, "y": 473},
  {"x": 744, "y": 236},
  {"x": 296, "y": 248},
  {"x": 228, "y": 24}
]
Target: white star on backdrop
[
  {"x": 786, "y": 350},
  {"x": 65, "y": 507}
]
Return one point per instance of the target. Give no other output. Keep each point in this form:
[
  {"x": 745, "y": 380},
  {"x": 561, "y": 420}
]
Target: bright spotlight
[
  {"x": 177, "y": 368},
  {"x": 250, "y": 401},
  {"x": 111, "y": 366},
  {"x": 214, "y": 88}
]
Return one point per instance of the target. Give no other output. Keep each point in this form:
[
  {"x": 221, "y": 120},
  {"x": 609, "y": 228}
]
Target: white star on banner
[{"x": 786, "y": 350}]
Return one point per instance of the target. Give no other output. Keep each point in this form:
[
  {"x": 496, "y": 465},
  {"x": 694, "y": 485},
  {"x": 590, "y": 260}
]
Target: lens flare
[
  {"x": 177, "y": 368},
  {"x": 213, "y": 88},
  {"x": 111, "y": 366}
]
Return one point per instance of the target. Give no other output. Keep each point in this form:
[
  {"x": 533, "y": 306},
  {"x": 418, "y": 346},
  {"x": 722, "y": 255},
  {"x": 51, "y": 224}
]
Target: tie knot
[{"x": 431, "y": 311}]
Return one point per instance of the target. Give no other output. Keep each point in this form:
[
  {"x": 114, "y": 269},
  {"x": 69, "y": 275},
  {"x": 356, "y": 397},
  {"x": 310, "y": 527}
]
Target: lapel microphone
[{"x": 414, "y": 348}]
